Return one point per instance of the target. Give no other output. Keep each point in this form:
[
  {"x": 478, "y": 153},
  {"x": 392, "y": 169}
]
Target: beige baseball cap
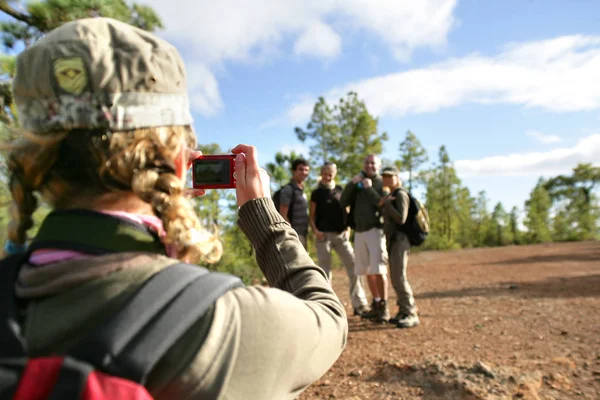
[
  {"x": 389, "y": 171},
  {"x": 100, "y": 73}
]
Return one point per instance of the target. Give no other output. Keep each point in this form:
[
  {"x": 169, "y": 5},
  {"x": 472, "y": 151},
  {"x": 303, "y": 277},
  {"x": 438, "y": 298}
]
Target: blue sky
[{"x": 509, "y": 86}]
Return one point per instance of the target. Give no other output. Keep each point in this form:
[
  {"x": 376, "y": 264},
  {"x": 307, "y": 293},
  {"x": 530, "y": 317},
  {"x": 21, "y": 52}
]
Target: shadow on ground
[
  {"x": 559, "y": 287},
  {"x": 359, "y": 325},
  {"x": 552, "y": 258}
]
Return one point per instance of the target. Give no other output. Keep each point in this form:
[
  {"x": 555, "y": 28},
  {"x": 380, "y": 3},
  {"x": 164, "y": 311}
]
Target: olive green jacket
[
  {"x": 366, "y": 214},
  {"x": 256, "y": 343},
  {"x": 395, "y": 212}
]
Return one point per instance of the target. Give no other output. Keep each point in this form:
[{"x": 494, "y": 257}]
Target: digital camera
[{"x": 214, "y": 172}]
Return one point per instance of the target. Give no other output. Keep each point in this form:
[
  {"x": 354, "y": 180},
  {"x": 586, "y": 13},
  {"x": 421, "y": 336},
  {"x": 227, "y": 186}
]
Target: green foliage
[
  {"x": 217, "y": 210},
  {"x": 209, "y": 206},
  {"x": 43, "y": 16},
  {"x": 412, "y": 156},
  {"x": 324, "y": 131},
  {"x": 144, "y": 17},
  {"x": 465, "y": 209},
  {"x": 562, "y": 230},
  {"x": 443, "y": 191},
  {"x": 435, "y": 241},
  {"x": 513, "y": 224},
  {"x": 344, "y": 134},
  {"x": 280, "y": 170},
  {"x": 576, "y": 199},
  {"x": 500, "y": 234},
  {"x": 482, "y": 219},
  {"x": 538, "y": 215},
  {"x": 8, "y": 112},
  {"x": 238, "y": 256}
]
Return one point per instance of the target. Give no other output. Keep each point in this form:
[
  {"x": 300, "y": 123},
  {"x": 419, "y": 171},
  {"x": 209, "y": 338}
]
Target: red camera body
[{"x": 214, "y": 172}]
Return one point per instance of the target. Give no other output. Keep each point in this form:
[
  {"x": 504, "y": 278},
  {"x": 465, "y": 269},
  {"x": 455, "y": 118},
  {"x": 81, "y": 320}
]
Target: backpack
[
  {"x": 114, "y": 360},
  {"x": 277, "y": 200},
  {"x": 416, "y": 226}
]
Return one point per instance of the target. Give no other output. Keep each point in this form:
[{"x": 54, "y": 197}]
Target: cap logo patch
[{"x": 71, "y": 75}]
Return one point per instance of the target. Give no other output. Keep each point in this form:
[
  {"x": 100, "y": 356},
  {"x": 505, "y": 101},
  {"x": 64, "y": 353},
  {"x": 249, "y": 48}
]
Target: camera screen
[{"x": 208, "y": 172}]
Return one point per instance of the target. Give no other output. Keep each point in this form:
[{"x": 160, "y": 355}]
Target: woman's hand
[
  {"x": 320, "y": 235},
  {"x": 191, "y": 192},
  {"x": 384, "y": 199},
  {"x": 252, "y": 181}
]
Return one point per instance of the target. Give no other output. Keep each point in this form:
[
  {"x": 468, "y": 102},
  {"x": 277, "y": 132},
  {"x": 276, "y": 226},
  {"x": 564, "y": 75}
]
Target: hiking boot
[
  {"x": 408, "y": 321},
  {"x": 362, "y": 310},
  {"x": 383, "y": 312},
  {"x": 402, "y": 314},
  {"x": 373, "y": 312},
  {"x": 399, "y": 315}
]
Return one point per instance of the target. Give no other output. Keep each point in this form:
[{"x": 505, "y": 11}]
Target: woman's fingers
[
  {"x": 192, "y": 155},
  {"x": 190, "y": 193},
  {"x": 252, "y": 181}
]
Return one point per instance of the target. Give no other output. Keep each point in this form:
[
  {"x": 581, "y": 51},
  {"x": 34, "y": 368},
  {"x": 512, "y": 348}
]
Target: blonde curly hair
[{"x": 92, "y": 163}]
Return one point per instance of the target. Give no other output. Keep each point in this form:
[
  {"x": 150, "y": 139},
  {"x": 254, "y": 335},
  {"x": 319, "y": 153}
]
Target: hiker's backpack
[
  {"x": 114, "y": 361},
  {"x": 416, "y": 226},
  {"x": 277, "y": 200}
]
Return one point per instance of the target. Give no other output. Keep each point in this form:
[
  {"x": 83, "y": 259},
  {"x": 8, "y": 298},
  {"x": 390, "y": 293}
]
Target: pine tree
[
  {"x": 280, "y": 170},
  {"x": 442, "y": 187},
  {"x": 482, "y": 220},
  {"x": 344, "y": 134},
  {"x": 412, "y": 156},
  {"x": 499, "y": 236},
  {"x": 514, "y": 225},
  {"x": 323, "y": 130},
  {"x": 577, "y": 192},
  {"x": 465, "y": 207},
  {"x": 537, "y": 220}
]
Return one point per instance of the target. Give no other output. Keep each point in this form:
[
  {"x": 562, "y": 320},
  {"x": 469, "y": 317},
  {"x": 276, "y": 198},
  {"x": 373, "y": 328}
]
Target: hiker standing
[
  {"x": 328, "y": 220},
  {"x": 293, "y": 204},
  {"x": 395, "y": 211},
  {"x": 362, "y": 194}
]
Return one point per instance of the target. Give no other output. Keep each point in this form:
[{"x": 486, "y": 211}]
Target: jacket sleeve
[
  {"x": 296, "y": 329},
  {"x": 398, "y": 208},
  {"x": 269, "y": 343},
  {"x": 374, "y": 196},
  {"x": 347, "y": 194}
]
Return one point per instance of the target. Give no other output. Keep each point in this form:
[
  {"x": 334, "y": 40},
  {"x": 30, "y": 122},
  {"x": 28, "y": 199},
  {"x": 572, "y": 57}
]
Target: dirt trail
[{"x": 503, "y": 323}]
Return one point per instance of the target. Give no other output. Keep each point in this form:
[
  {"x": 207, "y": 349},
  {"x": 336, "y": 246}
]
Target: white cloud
[
  {"x": 553, "y": 162},
  {"x": 319, "y": 40},
  {"x": 542, "y": 138},
  {"x": 404, "y": 25},
  {"x": 239, "y": 30},
  {"x": 558, "y": 75},
  {"x": 203, "y": 90},
  {"x": 213, "y": 33},
  {"x": 300, "y": 112}
]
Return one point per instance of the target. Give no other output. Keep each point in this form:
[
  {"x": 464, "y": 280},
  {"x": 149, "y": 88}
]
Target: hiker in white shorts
[{"x": 362, "y": 194}]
